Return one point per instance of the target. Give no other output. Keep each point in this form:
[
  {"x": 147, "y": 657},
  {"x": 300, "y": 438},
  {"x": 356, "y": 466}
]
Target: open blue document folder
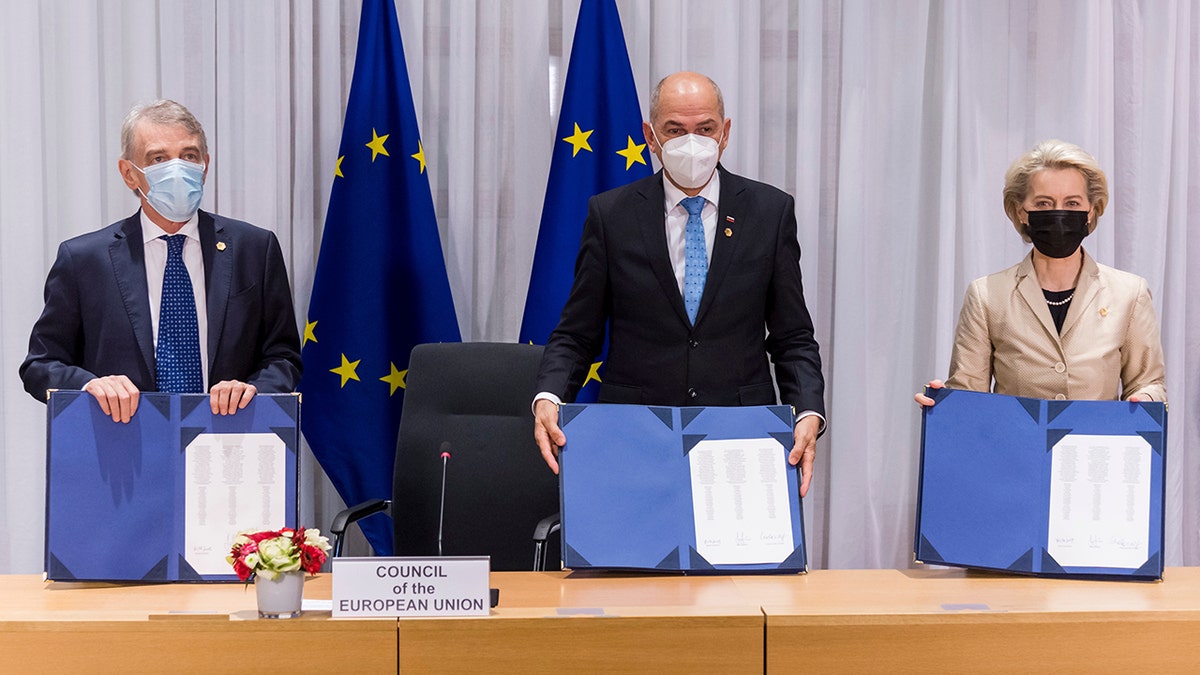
[
  {"x": 1049, "y": 488},
  {"x": 162, "y": 497},
  {"x": 680, "y": 489}
]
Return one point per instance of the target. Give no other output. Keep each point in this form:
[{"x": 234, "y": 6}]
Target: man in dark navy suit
[
  {"x": 695, "y": 272},
  {"x": 112, "y": 294}
]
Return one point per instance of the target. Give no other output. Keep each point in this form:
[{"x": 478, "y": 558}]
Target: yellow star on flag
[
  {"x": 420, "y": 156},
  {"x": 337, "y": 168},
  {"x": 376, "y": 145},
  {"x": 632, "y": 153},
  {"x": 346, "y": 370},
  {"x": 309, "y": 332},
  {"x": 395, "y": 379},
  {"x": 593, "y": 373},
  {"x": 579, "y": 140}
]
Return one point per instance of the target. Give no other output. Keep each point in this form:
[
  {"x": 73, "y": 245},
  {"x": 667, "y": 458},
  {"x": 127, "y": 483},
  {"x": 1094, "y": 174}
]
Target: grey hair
[{"x": 164, "y": 112}]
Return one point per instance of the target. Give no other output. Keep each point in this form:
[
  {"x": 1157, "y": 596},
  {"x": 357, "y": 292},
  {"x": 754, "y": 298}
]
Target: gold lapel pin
[
  {"x": 728, "y": 232},
  {"x": 1103, "y": 311},
  {"x": 220, "y": 246}
]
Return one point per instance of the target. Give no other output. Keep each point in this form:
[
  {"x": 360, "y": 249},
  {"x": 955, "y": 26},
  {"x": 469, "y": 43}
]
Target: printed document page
[
  {"x": 234, "y": 482},
  {"x": 1100, "y": 501},
  {"x": 740, "y": 501}
]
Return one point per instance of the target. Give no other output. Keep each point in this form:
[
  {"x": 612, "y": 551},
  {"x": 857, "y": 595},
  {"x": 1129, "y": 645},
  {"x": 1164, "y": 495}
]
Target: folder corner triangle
[
  {"x": 58, "y": 570},
  {"x": 158, "y": 572},
  {"x": 1053, "y": 436},
  {"x": 187, "y": 435},
  {"x": 929, "y": 552},
  {"x": 187, "y": 404},
  {"x": 60, "y": 402},
  {"x": 1024, "y": 563},
  {"x": 573, "y": 559},
  {"x": 1155, "y": 439},
  {"x": 690, "y": 441},
  {"x": 1050, "y": 565},
  {"x": 287, "y": 435},
  {"x": 787, "y": 440},
  {"x": 784, "y": 414},
  {"x": 670, "y": 561},
  {"x": 797, "y": 560},
  {"x": 1151, "y": 568},
  {"x": 186, "y": 571},
  {"x": 160, "y": 403},
  {"x": 663, "y": 415},
  {"x": 570, "y": 412},
  {"x": 699, "y": 562},
  {"x": 1153, "y": 409},
  {"x": 1055, "y": 408},
  {"x": 1032, "y": 406}
]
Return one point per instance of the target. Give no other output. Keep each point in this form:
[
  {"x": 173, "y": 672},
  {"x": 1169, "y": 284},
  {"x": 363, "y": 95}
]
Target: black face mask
[{"x": 1057, "y": 233}]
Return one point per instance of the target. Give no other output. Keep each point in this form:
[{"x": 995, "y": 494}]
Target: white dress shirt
[
  {"x": 676, "y": 223},
  {"x": 156, "y": 268}
]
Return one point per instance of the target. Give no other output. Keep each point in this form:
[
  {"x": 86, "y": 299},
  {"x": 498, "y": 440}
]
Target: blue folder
[
  {"x": 984, "y": 497},
  {"x": 626, "y": 486},
  {"x": 115, "y": 492}
]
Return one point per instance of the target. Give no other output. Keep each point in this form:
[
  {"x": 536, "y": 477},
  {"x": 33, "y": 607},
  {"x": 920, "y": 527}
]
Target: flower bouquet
[{"x": 271, "y": 553}]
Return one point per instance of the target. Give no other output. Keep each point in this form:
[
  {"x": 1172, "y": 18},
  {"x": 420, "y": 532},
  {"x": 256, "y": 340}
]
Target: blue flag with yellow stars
[
  {"x": 596, "y": 148},
  {"x": 380, "y": 286}
]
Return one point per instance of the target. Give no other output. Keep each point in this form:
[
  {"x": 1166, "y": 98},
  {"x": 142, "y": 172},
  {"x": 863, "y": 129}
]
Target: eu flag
[
  {"x": 380, "y": 285},
  {"x": 596, "y": 149}
]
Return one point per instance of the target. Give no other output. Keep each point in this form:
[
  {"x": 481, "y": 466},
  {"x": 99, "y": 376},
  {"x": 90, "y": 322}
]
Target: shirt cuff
[
  {"x": 812, "y": 413},
  {"x": 545, "y": 396}
]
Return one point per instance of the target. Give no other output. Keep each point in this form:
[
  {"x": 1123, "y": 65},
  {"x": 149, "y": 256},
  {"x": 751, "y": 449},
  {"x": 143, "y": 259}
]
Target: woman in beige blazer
[{"x": 1057, "y": 325}]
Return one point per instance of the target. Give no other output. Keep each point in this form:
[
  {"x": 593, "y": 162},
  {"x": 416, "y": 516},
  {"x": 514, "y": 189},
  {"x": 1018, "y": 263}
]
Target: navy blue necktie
[
  {"x": 177, "y": 356},
  {"x": 695, "y": 267}
]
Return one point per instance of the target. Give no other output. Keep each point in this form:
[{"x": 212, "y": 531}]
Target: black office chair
[{"x": 471, "y": 400}]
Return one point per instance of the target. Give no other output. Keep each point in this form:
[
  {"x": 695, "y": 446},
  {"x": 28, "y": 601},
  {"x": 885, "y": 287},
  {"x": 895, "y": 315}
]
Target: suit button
[
  {"x": 693, "y": 344},
  {"x": 1060, "y": 397},
  {"x": 692, "y": 393},
  {"x": 1060, "y": 367}
]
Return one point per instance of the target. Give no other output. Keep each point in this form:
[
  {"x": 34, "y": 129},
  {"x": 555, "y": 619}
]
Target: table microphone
[{"x": 445, "y": 450}]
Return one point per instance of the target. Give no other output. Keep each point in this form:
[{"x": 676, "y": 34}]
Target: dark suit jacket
[
  {"x": 752, "y": 307},
  {"x": 97, "y": 316}
]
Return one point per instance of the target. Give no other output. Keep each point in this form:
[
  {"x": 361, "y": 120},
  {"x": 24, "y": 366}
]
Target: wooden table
[
  {"x": 214, "y": 628},
  {"x": 929, "y": 620},
  {"x": 552, "y": 621},
  {"x": 545, "y": 622},
  {"x": 944, "y": 620}
]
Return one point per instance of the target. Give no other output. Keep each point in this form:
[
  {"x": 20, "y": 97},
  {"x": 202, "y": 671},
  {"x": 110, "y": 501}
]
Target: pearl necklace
[{"x": 1060, "y": 303}]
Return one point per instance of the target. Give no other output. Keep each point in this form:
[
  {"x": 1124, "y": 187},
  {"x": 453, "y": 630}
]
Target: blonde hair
[{"x": 1053, "y": 154}]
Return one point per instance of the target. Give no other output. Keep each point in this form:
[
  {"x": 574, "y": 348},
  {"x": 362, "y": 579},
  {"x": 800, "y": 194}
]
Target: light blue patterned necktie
[
  {"x": 695, "y": 257},
  {"x": 177, "y": 356}
]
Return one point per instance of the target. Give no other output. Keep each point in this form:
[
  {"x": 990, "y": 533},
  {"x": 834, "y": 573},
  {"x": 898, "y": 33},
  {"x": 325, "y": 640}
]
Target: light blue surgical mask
[{"x": 175, "y": 188}]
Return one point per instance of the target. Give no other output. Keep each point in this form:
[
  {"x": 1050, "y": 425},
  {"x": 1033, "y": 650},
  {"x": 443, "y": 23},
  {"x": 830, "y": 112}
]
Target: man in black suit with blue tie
[
  {"x": 695, "y": 272},
  {"x": 171, "y": 298}
]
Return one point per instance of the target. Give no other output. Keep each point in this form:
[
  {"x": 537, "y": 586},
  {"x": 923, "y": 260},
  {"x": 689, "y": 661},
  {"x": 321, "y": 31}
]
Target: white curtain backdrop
[{"x": 892, "y": 123}]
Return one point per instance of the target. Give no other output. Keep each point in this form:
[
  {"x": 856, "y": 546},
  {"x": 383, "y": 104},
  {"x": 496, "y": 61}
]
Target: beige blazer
[{"x": 1109, "y": 348}]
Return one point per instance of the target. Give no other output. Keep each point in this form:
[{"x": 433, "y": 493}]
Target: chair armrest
[
  {"x": 353, "y": 514},
  {"x": 542, "y": 531},
  {"x": 546, "y": 527}
]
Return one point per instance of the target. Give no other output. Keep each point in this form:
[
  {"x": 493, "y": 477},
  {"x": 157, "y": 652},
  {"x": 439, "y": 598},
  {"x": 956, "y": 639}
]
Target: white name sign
[{"x": 411, "y": 587}]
